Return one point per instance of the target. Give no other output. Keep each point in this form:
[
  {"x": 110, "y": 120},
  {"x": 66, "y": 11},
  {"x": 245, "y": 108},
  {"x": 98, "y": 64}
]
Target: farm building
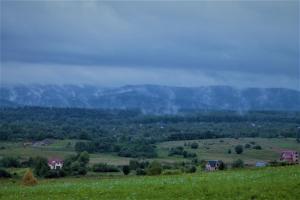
[
  {"x": 44, "y": 142},
  {"x": 289, "y": 156},
  {"x": 261, "y": 164},
  {"x": 213, "y": 165},
  {"x": 55, "y": 163}
]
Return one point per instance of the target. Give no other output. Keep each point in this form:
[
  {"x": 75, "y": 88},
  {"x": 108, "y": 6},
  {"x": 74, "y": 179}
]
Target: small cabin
[
  {"x": 55, "y": 163},
  {"x": 213, "y": 165},
  {"x": 289, "y": 156}
]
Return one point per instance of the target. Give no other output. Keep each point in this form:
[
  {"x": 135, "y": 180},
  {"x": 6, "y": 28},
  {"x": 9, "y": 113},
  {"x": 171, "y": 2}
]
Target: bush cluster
[
  {"x": 103, "y": 167},
  {"x": 194, "y": 145},
  {"x": 239, "y": 149},
  {"x": 237, "y": 163},
  {"x": 4, "y": 174},
  {"x": 76, "y": 165},
  {"x": 8, "y": 161},
  {"x": 257, "y": 147},
  {"x": 154, "y": 168}
]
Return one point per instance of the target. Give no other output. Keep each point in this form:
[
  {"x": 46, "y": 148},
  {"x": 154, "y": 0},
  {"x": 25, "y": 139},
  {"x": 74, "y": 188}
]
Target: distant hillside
[{"x": 151, "y": 98}]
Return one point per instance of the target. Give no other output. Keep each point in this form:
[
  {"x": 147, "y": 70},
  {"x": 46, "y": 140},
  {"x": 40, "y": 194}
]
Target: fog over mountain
[
  {"x": 49, "y": 48},
  {"x": 151, "y": 98},
  {"x": 176, "y": 43}
]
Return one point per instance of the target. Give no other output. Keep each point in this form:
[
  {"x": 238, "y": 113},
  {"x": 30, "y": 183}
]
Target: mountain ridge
[{"x": 151, "y": 98}]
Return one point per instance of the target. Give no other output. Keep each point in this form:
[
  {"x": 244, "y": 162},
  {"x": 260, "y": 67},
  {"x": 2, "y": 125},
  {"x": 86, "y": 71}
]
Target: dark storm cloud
[{"x": 219, "y": 42}]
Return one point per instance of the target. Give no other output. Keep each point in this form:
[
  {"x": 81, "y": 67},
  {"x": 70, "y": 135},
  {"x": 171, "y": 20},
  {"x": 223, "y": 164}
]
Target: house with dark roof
[
  {"x": 289, "y": 156},
  {"x": 213, "y": 165},
  {"x": 55, "y": 163}
]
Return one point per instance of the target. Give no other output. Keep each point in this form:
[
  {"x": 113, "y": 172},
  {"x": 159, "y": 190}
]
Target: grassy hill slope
[{"x": 265, "y": 183}]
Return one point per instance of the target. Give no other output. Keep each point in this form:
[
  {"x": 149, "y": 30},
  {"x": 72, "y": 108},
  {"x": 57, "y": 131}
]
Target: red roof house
[
  {"x": 289, "y": 156},
  {"x": 55, "y": 163}
]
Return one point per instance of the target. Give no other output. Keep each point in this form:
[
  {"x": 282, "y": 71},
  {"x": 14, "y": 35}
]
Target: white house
[
  {"x": 55, "y": 163},
  {"x": 213, "y": 165}
]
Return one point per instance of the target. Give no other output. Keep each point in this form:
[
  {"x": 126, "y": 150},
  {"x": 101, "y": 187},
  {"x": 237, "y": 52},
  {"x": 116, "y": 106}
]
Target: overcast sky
[{"x": 237, "y": 43}]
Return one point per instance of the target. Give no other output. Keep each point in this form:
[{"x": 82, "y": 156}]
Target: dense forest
[{"x": 130, "y": 133}]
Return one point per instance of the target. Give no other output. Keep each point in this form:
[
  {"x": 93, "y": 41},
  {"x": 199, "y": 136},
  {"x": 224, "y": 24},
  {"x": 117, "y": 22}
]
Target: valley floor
[
  {"x": 209, "y": 149},
  {"x": 265, "y": 183}
]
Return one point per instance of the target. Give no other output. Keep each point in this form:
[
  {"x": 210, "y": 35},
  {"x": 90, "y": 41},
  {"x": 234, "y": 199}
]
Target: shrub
[
  {"x": 154, "y": 168},
  {"x": 238, "y": 163},
  {"x": 247, "y": 146},
  {"x": 195, "y": 161},
  {"x": 194, "y": 145},
  {"x": 239, "y": 149},
  {"x": 55, "y": 174},
  {"x": 252, "y": 142},
  {"x": 29, "y": 179},
  {"x": 76, "y": 165},
  {"x": 41, "y": 167},
  {"x": 257, "y": 147},
  {"x": 144, "y": 164},
  {"x": 140, "y": 172},
  {"x": 103, "y": 167},
  {"x": 190, "y": 169},
  {"x": 222, "y": 166},
  {"x": 187, "y": 154},
  {"x": 229, "y": 151},
  {"x": 28, "y": 163},
  {"x": 126, "y": 169},
  {"x": 4, "y": 174},
  {"x": 168, "y": 166},
  {"x": 82, "y": 171},
  {"x": 8, "y": 161},
  {"x": 274, "y": 163},
  {"x": 133, "y": 164},
  {"x": 84, "y": 158}
]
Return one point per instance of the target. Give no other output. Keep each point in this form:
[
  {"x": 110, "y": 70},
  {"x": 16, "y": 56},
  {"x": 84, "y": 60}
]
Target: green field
[
  {"x": 264, "y": 183},
  {"x": 217, "y": 149},
  {"x": 208, "y": 149}
]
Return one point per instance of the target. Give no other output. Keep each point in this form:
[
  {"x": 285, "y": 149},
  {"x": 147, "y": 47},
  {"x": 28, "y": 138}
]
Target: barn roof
[
  {"x": 55, "y": 160},
  {"x": 213, "y": 163},
  {"x": 288, "y": 153}
]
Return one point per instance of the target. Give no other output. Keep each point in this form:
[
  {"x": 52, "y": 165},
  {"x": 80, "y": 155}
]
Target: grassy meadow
[
  {"x": 263, "y": 183},
  {"x": 208, "y": 149},
  {"x": 217, "y": 149}
]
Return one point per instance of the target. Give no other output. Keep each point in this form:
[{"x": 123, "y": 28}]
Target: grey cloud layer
[
  {"x": 257, "y": 39},
  {"x": 115, "y": 76}
]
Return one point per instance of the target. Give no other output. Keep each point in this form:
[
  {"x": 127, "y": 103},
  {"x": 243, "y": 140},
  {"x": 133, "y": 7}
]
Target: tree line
[{"x": 130, "y": 133}]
